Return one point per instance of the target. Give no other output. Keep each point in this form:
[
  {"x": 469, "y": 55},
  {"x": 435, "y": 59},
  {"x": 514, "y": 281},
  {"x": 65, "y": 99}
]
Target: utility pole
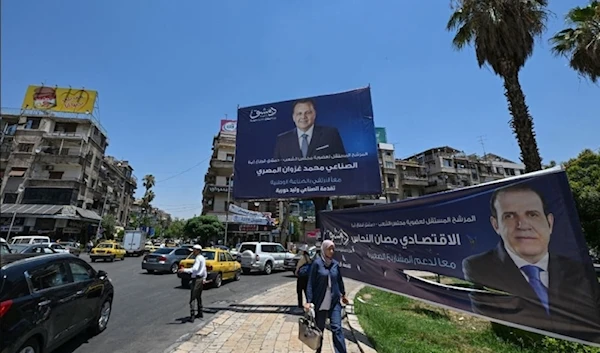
[{"x": 229, "y": 182}]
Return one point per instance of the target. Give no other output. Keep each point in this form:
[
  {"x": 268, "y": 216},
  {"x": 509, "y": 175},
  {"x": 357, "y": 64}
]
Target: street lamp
[{"x": 12, "y": 221}]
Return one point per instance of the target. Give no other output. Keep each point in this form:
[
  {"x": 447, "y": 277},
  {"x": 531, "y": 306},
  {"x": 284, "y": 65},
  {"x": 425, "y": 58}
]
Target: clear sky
[{"x": 168, "y": 71}]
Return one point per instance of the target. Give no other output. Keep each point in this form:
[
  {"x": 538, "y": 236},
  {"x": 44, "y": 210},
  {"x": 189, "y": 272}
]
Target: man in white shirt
[{"x": 198, "y": 274}]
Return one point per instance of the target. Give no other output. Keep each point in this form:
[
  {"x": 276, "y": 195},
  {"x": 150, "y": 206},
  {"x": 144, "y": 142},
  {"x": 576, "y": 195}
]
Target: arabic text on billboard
[
  {"x": 71, "y": 100},
  {"x": 518, "y": 242},
  {"x": 319, "y": 146}
]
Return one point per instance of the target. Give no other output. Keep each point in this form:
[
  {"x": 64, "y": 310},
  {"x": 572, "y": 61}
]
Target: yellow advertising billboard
[{"x": 71, "y": 100}]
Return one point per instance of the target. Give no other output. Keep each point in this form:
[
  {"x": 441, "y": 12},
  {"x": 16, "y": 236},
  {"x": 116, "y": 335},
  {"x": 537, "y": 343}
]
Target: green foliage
[
  {"x": 584, "y": 179},
  {"x": 176, "y": 228},
  {"x": 121, "y": 233},
  {"x": 109, "y": 224},
  {"x": 204, "y": 227},
  {"x": 295, "y": 230}
]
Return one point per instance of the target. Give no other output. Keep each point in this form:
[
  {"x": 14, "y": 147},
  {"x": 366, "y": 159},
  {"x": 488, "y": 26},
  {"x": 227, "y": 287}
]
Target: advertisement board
[
  {"x": 312, "y": 147},
  {"x": 517, "y": 242},
  {"x": 381, "y": 135},
  {"x": 71, "y": 100},
  {"x": 228, "y": 127}
]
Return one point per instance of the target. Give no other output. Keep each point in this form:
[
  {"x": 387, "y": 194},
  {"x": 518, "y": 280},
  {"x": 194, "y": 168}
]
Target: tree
[
  {"x": 109, "y": 224},
  {"x": 148, "y": 181},
  {"x": 584, "y": 179},
  {"x": 204, "y": 227},
  {"x": 176, "y": 228},
  {"x": 581, "y": 41},
  {"x": 503, "y": 33}
]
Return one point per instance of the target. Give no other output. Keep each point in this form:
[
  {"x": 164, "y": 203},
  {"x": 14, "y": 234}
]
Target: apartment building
[
  {"x": 118, "y": 184},
  {"x": 49, "y": 168},
  {"x": 446, "y": 168},
  {"x": 218, "y": 182}
]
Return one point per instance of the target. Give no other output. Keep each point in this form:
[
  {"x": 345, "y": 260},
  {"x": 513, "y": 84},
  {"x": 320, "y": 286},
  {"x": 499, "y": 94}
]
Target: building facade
[
  {"x": 49, "y": 160},
  {"x": 216, "y": 195},
  {"x": 118, "y": 185}
]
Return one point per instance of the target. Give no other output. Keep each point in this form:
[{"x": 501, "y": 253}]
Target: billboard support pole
[{"x": 227, "y": 208}]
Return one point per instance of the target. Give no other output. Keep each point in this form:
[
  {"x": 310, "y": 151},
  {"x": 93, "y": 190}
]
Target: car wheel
[
  {"x": 101, "y": 321},
  {"x": 268, "y": 268},
  {"x": 174, "y": 267},
  {"x": 246, "y": 271},
  {"x": 31, "y": 346},
  {"x": 238, "y": 275},
  {"x": 218, "y": 280},
  {"x": 93, "y": 260},
  {"x": 112, "y": 259}
]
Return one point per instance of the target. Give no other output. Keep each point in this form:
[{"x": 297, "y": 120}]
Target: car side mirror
[{"x": 101, "y": 274}]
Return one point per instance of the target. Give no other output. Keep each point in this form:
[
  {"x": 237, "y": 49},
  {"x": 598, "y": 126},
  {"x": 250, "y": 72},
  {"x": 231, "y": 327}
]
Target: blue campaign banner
[
  {"x": 312, "y": 147},
  {"x": 517, "y": 242}
]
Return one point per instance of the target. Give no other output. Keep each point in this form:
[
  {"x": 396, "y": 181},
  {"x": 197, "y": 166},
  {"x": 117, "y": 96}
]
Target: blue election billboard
[
  {"x": 517, "y": 242},
  {"x": 312, "y": 147}
]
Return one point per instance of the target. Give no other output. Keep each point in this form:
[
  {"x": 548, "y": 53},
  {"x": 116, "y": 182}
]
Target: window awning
[
  {"x": 16, "y": 173},
  {"x": 49, "y": 211}
]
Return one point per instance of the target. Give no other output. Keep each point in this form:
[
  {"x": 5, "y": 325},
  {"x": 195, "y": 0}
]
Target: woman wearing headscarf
[
  {"x": 326, "y": 293},
  {"x": 302, "y": 281}
]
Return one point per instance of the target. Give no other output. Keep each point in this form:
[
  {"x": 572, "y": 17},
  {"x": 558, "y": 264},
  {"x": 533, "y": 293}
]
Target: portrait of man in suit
[
  {"x": 537, "y": 288},
  {"x": 308, "y": 139}
]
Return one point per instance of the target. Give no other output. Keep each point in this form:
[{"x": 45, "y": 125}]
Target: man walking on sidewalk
[{"x": 198, "y": 274}]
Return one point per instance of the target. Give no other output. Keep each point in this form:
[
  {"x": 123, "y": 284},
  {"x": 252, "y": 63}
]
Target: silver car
[{"x": 164, "y": 260}]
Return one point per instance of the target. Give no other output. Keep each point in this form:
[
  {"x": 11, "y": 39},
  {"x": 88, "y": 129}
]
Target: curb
[{"x": 362, "y": 341}]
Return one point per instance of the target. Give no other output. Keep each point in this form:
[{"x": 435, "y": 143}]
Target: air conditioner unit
[{"x": 49, "y": 167}]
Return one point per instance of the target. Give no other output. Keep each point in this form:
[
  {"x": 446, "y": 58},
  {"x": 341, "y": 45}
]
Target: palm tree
[
  {"x": 149, "y": 181},
  {"x": 503, "y": 33},
  {"x": 581, "y": 41}
]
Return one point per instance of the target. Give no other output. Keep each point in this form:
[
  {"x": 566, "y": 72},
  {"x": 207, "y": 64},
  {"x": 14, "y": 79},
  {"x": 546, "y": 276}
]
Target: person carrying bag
[
  {"x": 325, "y": 294},
  {"x": 302, "y": 272}
]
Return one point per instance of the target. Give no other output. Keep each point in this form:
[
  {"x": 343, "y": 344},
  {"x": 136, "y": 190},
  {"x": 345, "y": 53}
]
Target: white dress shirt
[
  {"x": 543, "y": 264},
  {"x": 309, "y": 132},
  {"x": 199, "y": 268}
]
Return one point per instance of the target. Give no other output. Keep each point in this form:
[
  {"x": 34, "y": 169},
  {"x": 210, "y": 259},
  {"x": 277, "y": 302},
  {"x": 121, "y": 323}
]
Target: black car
[{"x": 45, "y": 300}]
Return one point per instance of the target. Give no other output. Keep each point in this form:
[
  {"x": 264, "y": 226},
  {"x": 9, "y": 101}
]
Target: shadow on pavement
[{"x": 73, "y": 344}]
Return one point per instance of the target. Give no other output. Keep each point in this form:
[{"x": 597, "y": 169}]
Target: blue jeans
[{"x": 335, "y": 324}]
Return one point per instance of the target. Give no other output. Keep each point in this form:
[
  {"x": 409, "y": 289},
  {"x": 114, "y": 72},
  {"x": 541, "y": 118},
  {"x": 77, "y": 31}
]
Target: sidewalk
[{"x": 265, "y": 323}]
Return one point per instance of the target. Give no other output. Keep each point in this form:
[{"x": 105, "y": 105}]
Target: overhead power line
[{"x": 183, "y": 172}]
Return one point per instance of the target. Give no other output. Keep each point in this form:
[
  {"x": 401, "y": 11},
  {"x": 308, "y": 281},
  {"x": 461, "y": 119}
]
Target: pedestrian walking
[
  {"x": 198, "y": 274},
  {"x": 302, "y": 275},
  {"x": 325, "y": 293}
]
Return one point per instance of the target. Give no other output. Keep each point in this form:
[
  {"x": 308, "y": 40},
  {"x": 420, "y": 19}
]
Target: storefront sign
[{"x": 218, "y": 188}]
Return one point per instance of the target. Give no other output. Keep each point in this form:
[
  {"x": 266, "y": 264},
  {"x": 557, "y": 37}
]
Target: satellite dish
[
  {"x": 38, "y": 150},
  {"x": 21, "y": 188}
]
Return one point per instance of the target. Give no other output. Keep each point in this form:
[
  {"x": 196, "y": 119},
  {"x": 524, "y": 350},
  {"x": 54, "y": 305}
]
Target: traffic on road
[{"x": 133, "y": 304}]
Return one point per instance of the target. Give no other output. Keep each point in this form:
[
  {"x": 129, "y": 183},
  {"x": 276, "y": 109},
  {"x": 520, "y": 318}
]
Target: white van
[{"x": 29, "y": 239}]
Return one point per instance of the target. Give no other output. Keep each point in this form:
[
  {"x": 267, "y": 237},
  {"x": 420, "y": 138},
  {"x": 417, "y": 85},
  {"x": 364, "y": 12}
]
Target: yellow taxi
[
  {"x": 108, "y": 250},
  {"x": 150, "y": 248},
  {"x": 220, "y": 265}
]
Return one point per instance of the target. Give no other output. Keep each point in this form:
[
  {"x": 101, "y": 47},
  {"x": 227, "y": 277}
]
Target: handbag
[{"x": 309, "y": 333}]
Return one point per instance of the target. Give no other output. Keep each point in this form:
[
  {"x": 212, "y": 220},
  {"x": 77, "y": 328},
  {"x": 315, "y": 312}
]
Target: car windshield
[
  {"x": 208, "y": 255},
  {"x": 105, "y": 246},
  {"x": 163, "y": 251},
  {"x": 16, "y": 249},
  {"x": 4, "y": 249}
]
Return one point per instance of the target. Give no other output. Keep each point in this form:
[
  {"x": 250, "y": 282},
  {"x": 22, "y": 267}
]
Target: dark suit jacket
[
  {"x": 325, "y": 141},
  {"x": 574, "y": 294}
]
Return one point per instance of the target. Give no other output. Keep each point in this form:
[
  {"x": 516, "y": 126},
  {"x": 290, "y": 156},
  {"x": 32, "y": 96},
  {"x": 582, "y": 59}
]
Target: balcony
[
  {"x": 72, "y": 136},
  {"x": 52, "y": 159},
  {"x": 4, "y": 155},
  {"x": 438, "y": 186},
  {"x": 219, "y": 164},
  {"x": 44, "y": 181},
  {"x": 392, "y": 190},
  {"x": 414, "y": 180}
]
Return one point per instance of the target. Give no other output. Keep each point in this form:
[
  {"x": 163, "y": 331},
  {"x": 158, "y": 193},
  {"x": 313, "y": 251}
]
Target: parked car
[
  {"x": 46, "y": 300},
  {"x": 32, "y": 249},
  {"x": 29, "y": 239},
  {"x": 263, "y": 256},
  {"x": 72, "y": 247},
  {"x": 108, "y": 251},
  {"x": 4, "y": 248},
  {"x": 290, "y": 264},
  {"x": 220, "y": 266},
  {"x": 165, "y": 259}
]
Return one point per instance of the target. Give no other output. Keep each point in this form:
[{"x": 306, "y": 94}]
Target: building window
[
  {"x": 391, "y": 182},
  {"x": 390, "y": 165},
  {"x": 10, "y": 198},
  {"x": 229, "y": 157},
  {"x": 388, "y": 153},
  {"x": 408, "y": 193},
  {"x": 447, "y": 163},
  {"x": 55, "y": 175},
  {"x": 26, "y": 147},
  {"x": 32, "y": 124}
]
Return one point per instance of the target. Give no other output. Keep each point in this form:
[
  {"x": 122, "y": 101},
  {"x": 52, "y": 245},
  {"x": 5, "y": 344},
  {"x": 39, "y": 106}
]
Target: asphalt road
[{"x": 150, "y": 312}]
